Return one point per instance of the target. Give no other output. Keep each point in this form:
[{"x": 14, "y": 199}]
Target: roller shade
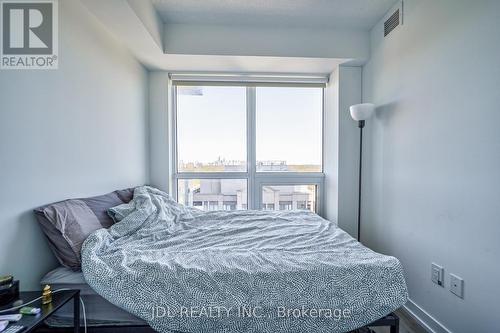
[{"x": 189, "y": 79}]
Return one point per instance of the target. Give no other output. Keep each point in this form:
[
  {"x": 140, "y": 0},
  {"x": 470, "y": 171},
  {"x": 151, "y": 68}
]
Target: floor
[{"x": 406, "y": 325}]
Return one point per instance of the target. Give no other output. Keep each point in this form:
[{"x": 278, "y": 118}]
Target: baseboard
[{"x": 423, "y": 318}]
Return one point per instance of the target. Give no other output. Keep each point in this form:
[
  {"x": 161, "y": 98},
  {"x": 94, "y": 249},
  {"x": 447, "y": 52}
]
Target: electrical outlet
[
  {"x": 457, "y": 285},
  {"x": 437, "y": 274}
]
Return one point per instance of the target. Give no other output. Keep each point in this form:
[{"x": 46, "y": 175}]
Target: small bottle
[{"x": 46, "y": 295}]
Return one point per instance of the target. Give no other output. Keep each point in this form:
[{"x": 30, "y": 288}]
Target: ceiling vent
[{"x": 391, "y": 23}]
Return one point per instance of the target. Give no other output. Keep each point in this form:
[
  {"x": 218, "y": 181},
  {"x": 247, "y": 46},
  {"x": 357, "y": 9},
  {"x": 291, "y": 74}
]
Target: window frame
[{"x": 255, "y": 180}]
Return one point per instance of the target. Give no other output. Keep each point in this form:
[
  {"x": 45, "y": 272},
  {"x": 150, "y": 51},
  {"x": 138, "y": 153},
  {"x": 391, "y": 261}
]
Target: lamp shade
[{"x": 362, "y": 111}]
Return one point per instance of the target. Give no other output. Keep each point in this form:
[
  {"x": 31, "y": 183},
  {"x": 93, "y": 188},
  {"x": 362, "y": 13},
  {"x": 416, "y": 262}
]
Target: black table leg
[
  {"x": 391, "y": 320},
  {"x": 76, "y": 312},
  {"x": 395, "y": 326}
]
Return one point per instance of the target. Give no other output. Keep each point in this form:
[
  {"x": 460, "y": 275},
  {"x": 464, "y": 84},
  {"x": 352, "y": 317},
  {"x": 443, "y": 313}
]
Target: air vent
[{"x": 391, "y": 23}]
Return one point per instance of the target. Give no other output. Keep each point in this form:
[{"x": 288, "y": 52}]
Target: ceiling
[{"x": 349, "y": 14}]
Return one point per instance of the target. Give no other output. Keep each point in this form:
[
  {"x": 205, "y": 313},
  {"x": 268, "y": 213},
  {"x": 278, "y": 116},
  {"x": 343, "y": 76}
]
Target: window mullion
[
  {"x": 251, "y": 155},
  {"x": 173, "y": 147}
]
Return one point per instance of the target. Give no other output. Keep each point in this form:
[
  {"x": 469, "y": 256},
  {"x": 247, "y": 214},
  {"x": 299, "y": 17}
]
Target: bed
[
  {"x": 272, "y": 270},
  {"x": 104, "y": 317}
]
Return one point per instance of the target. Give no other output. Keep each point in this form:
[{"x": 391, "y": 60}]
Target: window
[
  {"x": 267, "y": 206},
  {"x": 204, "y": 141},
  {"x": 301, "y": 204},
  {"x": 290, "y": 196},
  {"x": 229, "y": 205},
  {"x": 289, "y": 123},
  {"x": 213, "y": 194},
  {"x": 211, "y": 205},
  {"x": 244, "y": 146},
  {"x": 285, "y": 205}
]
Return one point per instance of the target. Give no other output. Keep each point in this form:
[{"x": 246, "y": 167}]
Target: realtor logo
[{"x": 28, "y": 34}]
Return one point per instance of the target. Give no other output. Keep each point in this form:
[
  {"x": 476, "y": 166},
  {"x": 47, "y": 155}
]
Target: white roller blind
[{"x": 249, "y": 79}]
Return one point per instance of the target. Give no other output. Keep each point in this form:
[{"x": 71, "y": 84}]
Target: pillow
[
  {"x": 125, "y": 195},
  {"x": 67, "y": 224}
]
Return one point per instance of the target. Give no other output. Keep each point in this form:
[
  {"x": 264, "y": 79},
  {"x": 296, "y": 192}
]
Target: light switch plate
[
  {"x": 437, "y": 274},
  {"x": 457, "y": 285}
]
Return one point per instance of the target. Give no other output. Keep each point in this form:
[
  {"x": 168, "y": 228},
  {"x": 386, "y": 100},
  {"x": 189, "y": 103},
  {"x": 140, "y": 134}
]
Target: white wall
[
  {"x": 433, "y": 155},
  {"x": 330, "y": 147},
  {"x": 341, "y": 162},
  {"x": 76, "y": 131},
  {"x": 263, "y": 41},
  {"x": 159, "y": 120}
]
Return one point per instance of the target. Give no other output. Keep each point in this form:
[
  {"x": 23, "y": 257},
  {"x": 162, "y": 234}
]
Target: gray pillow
[
  {"x": 61, "y": 249},
  {"x": 125, "y": 195},
  {"x": 67, "y": 224}
]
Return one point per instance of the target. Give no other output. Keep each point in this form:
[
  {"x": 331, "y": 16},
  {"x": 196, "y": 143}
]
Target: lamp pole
[
  {"x": 361, "y": 112},
  {"x": 361, "y": 124}
]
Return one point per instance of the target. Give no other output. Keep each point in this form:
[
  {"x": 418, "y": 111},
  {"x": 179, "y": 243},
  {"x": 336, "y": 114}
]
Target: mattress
[{"x": 99, "y": 312}]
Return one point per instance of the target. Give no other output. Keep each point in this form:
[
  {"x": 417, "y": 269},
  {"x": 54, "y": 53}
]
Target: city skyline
[{"x": 222, "y": 165}]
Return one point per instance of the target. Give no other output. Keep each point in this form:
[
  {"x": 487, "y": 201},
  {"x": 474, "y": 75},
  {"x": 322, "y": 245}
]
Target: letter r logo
[{"x": 27, "y": 28}]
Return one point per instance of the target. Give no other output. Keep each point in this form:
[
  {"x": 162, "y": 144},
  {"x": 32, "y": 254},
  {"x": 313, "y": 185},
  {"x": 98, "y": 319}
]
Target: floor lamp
[{"x": 361, "y": 112}]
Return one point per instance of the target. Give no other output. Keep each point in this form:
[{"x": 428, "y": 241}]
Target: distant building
[
  {"x": 272, "y": 166},
  {"x": 288, "y": 197},
  {"x": 231, "y": 194},
  {"x": 217, "y": 194}
]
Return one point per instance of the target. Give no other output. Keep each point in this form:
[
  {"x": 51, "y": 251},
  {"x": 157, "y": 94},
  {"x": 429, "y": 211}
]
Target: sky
[{"x": 212, "y": 123}]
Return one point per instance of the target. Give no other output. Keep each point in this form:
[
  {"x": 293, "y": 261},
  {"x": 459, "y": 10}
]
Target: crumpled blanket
[{"x": 185, "y": 270}]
